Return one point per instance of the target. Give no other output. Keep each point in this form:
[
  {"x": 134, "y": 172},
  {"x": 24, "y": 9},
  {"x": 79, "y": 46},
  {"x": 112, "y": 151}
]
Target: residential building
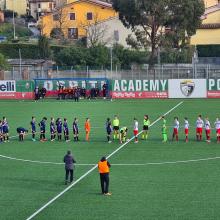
[
  {"x": 59, "y": 3},
  {"x": 37, "y": 8},
  {"x": 209, "y": 3},
  {"x": 18, "y": 6},
  {"x": 209, "y": 30},
  {"x": 108, "y": 32},
  {"x": 71, "y": 20}
]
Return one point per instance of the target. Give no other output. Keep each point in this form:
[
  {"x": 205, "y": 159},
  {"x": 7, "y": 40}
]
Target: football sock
[{"x": 165, "y": 137}]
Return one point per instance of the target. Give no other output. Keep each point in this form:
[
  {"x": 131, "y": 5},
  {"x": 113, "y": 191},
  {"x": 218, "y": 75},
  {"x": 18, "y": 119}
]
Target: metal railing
[{"x": 166, "y": 71}]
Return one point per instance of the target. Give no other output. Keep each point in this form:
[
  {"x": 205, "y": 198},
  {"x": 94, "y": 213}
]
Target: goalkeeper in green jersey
[
  {"x": 164, "y": 129},
  {"x": 145, "y": 127}
]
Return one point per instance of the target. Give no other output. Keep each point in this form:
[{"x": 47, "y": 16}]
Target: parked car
[{"x": 2, "y": 38}]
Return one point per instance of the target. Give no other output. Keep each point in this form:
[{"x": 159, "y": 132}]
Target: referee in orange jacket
[{"x": 104, "y": 169}]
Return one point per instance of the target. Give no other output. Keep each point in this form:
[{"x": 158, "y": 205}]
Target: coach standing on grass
[
  {"x": 69, "y": 166},
  {"x": 104, "y": 169}
]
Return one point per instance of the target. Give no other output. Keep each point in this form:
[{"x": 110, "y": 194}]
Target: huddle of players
[
  {"x": 57, "y": 127},
  {"x": 4, "y": 130},
  {"x": 121, "y": 133},
  {"x": 200, "y": 124}
]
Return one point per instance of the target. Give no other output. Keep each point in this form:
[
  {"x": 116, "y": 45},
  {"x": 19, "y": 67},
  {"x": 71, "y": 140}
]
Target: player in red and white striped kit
[
  {"x": 186, "y": 127},
  {"x": 176, "y": 129},
  {"x": 199, "y": 126},
  {"x": 207, "y": 130},
  {"x": 136, "y": 130},
  {"x": 217, "y": 127}
]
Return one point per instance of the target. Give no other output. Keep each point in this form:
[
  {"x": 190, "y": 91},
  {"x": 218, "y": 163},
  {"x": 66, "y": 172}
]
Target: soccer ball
[{"x": 128, "y": 139}]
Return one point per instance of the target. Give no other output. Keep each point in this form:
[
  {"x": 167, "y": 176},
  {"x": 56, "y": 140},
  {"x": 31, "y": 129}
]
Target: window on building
[
  {"x": 89, "y": 16},
  {"x": 56, "y": 17},
  {"x": 72, "y": 16},
  {"x": 116, "y": 35},
  {"x": 51, "y": 5},
  {"x": 73, "y": 33}
]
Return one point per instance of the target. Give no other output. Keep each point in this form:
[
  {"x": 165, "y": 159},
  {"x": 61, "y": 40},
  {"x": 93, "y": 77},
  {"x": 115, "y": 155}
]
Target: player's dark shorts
[
  {"x": 42, "y": 131},
  {"x": 33, "y": 130},
  {"x": 59, "y": 131},
  {"x": 116, "y": 128},
  {"x": 145, "y": 127},
  {"x": 66, "y": 132},
  {"x": 75, "y": 131},
  {"x": 109, "y": 131},
  {"x": 5, "y": 130},
  {"x": 52, "y": 131}
]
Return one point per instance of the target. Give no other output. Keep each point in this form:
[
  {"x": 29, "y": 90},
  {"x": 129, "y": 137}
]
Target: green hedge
[{"x": 28, "y": 51}]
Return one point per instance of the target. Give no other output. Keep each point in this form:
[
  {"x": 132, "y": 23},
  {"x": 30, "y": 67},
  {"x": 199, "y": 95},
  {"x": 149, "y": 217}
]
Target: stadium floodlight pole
[
  {"x": 19, "y": 60},
  {"x": 13, "y": 17},
  {"x": 111, "y": 57}
]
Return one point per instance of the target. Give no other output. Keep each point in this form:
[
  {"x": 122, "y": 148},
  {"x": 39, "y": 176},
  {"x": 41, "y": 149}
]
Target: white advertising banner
[
  {"x": 187, "y": 88},
  {"x": 7, "y": 86}
]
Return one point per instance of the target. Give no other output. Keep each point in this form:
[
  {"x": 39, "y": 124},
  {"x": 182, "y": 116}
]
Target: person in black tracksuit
[{"x": 69, "y": 166}]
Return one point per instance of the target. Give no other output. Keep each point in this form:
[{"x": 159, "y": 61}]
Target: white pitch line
[
  {"x": 39, "y": 162},
  {"x": 117, "y": 164},
  {"x": 93, "y": 168},
  {"x": 168, "y": 162}
]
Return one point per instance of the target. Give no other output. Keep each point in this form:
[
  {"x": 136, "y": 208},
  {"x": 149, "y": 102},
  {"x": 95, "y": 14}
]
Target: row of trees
[{"x": 99, "y": 56}]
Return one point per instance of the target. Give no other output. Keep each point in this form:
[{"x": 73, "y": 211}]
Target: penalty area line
[{"x": 93, "y": 168}]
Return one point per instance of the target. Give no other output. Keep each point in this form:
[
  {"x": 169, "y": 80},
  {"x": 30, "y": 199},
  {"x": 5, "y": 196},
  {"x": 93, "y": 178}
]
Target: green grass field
[{"x": 152, "y": 191}]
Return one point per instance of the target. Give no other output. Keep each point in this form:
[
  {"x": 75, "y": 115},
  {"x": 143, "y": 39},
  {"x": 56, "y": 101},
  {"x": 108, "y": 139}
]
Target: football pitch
[{"x": 148, "y": 180}]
